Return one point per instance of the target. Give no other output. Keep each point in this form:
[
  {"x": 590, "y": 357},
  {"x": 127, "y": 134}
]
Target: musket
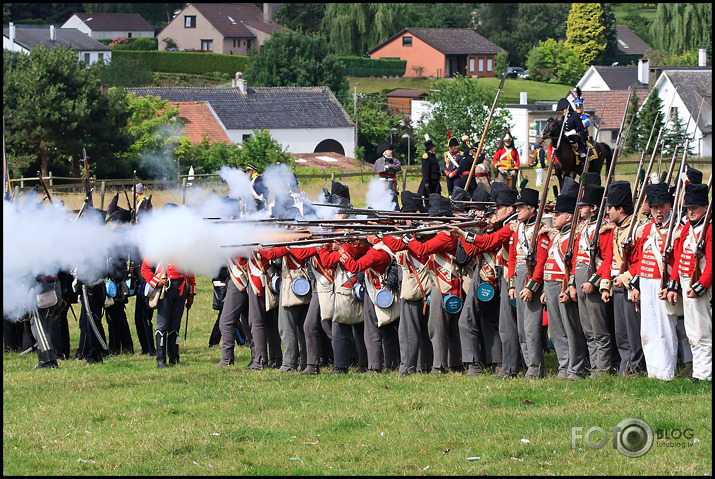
[
  {"x": 568, "y": 255},
  {"x": 88, "y": 185},
  {"x": 594, "y": 247},
  {"x": 134, "y": 194},
  {"x": 186, "y": 328},
  {"x": 484, "y": 133},
  {"x": 531, "y": 253},
  {"x": 645, "y": 152},
  {"x": 42, "y": 181},
  {"x": 700, "y": 248},
  {"x": 126, "y": 195},
  {"x": 674, "y": 220}
]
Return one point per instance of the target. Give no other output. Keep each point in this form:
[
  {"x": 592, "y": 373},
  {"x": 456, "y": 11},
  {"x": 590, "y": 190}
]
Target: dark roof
[
  {"x": 262, "y": 107},
  {"x": 695, "y": 88},
  {"x": 32, "y": 37},
  {"x": 405, "y": 93},
  {"x": 621, "y": 77},
  {"x": 235, "y": 19},
  {"x": 102, "y": 22},
  {"x": 450, "y": 41},
  {"x": 629, "y": 43}
]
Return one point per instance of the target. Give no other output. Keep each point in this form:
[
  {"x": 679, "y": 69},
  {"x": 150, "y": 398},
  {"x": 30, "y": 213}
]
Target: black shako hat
[
  {"x": 480, "y": 194},
  {"x": 695, "y": 176},
  {"x": 460, "y": 194},
  {"x": 339, "y": 189},
  {"x": 593, "y": 178},
  {"x": 592, "y": 195},
  {"x": 657, "y": 194},
  {"x": 570, "y": 187},
  {"x": 502, "y": 195},
  {"x": 439, "y": 205},
  {"x": 565, "y": 204},
  {"x": 528, "y": 196},
  {"x": 696, "y": 194},
  {"x": 619, "y": 194},
  {"x": 411, "y": 202}
]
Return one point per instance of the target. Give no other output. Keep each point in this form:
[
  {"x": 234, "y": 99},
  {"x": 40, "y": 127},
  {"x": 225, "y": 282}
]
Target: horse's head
[{"x": 548, "y": 130}]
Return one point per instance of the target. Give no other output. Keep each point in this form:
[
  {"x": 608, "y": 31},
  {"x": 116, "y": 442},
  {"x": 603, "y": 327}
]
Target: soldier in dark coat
[{"x": 431, "y": 173}]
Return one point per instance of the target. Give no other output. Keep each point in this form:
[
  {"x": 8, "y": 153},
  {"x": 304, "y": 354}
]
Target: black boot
[
  {"x": 161, "y": 339},
  {"x": 172, "y": 348}
]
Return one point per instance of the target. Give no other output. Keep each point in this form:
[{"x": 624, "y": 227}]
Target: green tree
[
  {"x": 585, "y": 32},
  {"x": 53, "y": 108},
  {"x": 206, "y": 157},
  {"x": 303, "y": 17},
  {"x": 682, "y": 27},
  {"x": 674, "y": 135},
  {"x": 262, "y": 150},
  {"x": 461, "y": 106},
  {"x": 448, "y": 15},
  {"x": 608, "y": 20},
  {"x": 554, "y": 60},
  {"x": 375, "y": 121},
  {"x": 124, "y": 72},
  {"x": 293, "y": 59},
  {"x": 638, "y": 24},
  {"x": 648, "y": 118},
  {"x": 355, "y": 28}
]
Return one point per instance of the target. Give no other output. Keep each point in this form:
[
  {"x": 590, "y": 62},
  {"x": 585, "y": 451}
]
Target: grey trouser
[
  {"x": 413, "y": 336},
  {"x": 627, "y": 323},
  {"x": 685, "y": 354},
  {"x": 290, "y": 328},
  {"x": 382, "y": 344},
  {"x": 257, "y": 323},
  {"x": 566, "y": 332},
  {"x": 529, "y": 319},
  {"x": 41, "y": 327},
  {"x": 479, "y": 328},
  {"x": 314, "y": 328},
  {"x": 594, "y": 322},
  {"x": 171, "y": 307},
  {"x": 508, "y": 331},
  {"x": 234, "y": 304},
  {"x": 443, "y": 330}
]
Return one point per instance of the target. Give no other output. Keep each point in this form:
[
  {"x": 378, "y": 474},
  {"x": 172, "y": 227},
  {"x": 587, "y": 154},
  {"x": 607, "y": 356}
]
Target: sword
[{"x": 90, "y": 317}]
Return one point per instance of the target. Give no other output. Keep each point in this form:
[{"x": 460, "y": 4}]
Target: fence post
[
  {"x": 361, "y": 180},
  {"x": 102, "y": 190},
  {"x": 50, "y": 178},
  {"x": 332, "y": 177},
  {"x": 404, "y": 179},
  {"x": 183, "y": 191}
]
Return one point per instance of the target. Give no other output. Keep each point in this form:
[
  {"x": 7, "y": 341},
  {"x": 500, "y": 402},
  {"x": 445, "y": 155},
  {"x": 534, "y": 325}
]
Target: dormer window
[
  {"x": 407, "y": 41},
  {"x": 190, "y": 21}
]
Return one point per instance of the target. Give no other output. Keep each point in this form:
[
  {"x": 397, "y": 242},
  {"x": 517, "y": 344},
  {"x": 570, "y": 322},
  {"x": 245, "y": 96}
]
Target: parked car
[
  {"x": 524, "y": 75},
  {"x": 514, "y": 72}
]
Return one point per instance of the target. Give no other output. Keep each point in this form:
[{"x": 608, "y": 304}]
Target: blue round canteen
[
  {"x": 300, "y": 286},
  {"x": 384, "y": 298},
  {"x": 452, "y": 303},
  {"x": 275, "y": 284},
  {"x": 359, "y": 292},
  {"x": 111, "y": 288},
  {"x": 129, "y": 287},
  {"x": 485, "y": 292}
]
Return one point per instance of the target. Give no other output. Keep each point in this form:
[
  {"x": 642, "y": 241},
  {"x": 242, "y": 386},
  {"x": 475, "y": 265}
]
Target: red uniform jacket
[
  {"x": 683, "y": 255},
  {"x": 152, "y": 276}
]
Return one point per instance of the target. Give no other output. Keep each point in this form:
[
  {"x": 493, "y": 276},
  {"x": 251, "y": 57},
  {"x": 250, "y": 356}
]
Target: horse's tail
[{"x": 609, "y": 156}]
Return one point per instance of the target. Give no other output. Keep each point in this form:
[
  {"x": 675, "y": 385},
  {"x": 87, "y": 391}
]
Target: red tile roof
[
  {"x": 199, "y": 120},
  {"x": 610, "y": 105}
]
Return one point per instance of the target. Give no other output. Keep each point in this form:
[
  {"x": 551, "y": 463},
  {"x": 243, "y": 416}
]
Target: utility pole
[{"x": 356, "y": 120}]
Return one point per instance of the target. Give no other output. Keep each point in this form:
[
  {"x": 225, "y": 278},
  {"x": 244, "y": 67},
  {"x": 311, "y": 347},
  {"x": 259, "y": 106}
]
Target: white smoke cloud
[{"x": 379, "y": 196}]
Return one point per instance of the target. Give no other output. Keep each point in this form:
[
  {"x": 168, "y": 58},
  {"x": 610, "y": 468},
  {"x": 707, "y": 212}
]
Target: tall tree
[
  {"x": 293, "y": 59},
  {"x": 304, "y": 17},
  {"x": 553, "y": 60},
  {"x": 461, "y": 106},
  {"x": 53, "y": 108},
  {"x": 608, "y": 20},
  {"x": 682, "y": 27},
  {"x": 585, "y": 32},
  {"x": 355, "y": 28},
  {"x": 448, "y": 15}
]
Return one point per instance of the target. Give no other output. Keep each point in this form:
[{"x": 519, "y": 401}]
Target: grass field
[{"x": 126, "y": 417}]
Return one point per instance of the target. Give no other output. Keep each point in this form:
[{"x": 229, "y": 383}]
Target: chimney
[
  {"x": 239, "y": 82},
  {"x": 522, "y": 98},
  {"x": 267, "y": 13},
  {"x": 702, "y": 58},
  {"x": 53, "y": 36},
  {"x": 643, "y": 71},
  {"x": 12, "y": 34}
]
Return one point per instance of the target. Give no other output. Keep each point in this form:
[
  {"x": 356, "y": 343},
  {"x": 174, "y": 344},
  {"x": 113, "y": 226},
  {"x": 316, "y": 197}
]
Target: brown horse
[{"x": 565, "y": 158}]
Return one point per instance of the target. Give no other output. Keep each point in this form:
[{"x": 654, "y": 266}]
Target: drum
[
  {"x": 111, "y": 288},
  {"x": 384, "y": 298},
  {"x": 485, "y": 292},
  {"x": 300, "y": 286},
  {"x": 452, "y": 303},
  {"x": 359, "y": 291}
]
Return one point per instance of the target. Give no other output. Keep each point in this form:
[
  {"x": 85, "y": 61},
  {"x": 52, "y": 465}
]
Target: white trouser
[
  {"x": 658, "y": 332},
  {"x": 699, "y": 328},
  {"x": 539, "y": 176}
]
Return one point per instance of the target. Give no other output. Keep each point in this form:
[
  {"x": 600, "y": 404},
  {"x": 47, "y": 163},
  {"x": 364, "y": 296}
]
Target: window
[
  {"x": 207, "y": 45},
  {"x": 539, "y": 127},
  {"x": 100, "y": 57},
  {"x": 674, "y": 112},
  {"x": 245, "y": 138},
  {"x": 129, "y": 35},
  {"x": 190, "y": 21},
  {"x": 406, "y": 41},
  {"x": 471, "y": 64},
  {"x": 490, "y": 67},
  {"x": 86, "y": 58},
  {"x": 481, "y": 64},
  {"x": 234, "y": 43},
  {"x": 248, "y": 44}
]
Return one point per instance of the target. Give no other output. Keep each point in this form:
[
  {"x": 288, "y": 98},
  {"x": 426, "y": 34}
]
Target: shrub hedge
[
  {"x": 198, "y": 63},
  {"x": 367, "y": 67}
]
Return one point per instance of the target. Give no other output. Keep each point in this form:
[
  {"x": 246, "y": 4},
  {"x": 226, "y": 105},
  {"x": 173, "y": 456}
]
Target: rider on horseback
[
  {"x": 574, "y": 130},
  {"x": 586, "y": 120}
]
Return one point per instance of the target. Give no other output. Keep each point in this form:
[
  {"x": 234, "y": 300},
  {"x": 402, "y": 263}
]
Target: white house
[
  {"x": 24, "y": 38},
  {"x": 301, "y": 119},
  {"x": 110, "y": 25}
]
